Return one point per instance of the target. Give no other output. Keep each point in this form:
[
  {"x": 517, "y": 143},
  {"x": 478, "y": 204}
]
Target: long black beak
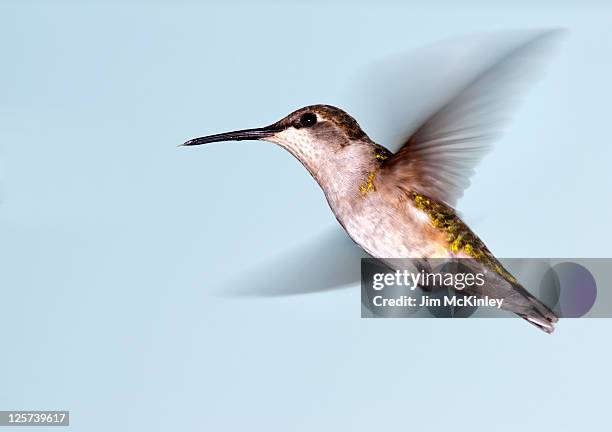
[{"x": 245, "y": 134}]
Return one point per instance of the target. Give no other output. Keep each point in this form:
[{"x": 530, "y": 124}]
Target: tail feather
[
  {"x": 521, "y": 302},
  {"x": 538, "y": 314},
  {"x": 540, "y": 322}
]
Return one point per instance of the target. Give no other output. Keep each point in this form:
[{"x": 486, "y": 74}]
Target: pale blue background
[{"x": 114, "y": 243}]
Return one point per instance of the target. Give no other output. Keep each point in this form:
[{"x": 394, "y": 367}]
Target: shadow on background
[{"x": 330, "y": 260}]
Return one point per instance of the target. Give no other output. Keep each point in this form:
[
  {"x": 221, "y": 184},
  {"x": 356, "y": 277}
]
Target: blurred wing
[{"x": 439, "y": 158}]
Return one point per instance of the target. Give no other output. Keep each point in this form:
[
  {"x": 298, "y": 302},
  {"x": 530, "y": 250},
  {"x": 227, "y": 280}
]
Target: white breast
[{"x": 388, "y": 231}]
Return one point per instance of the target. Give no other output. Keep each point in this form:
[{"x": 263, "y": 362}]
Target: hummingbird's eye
[{"x": 308, "y": 119}]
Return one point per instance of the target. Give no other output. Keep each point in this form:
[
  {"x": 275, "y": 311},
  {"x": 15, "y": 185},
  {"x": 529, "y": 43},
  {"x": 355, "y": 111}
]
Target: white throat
[{"x": 339, "y": 170}]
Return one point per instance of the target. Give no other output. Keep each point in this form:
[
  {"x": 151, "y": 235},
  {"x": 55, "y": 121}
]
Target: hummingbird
[{"x": 401, "y": 204}]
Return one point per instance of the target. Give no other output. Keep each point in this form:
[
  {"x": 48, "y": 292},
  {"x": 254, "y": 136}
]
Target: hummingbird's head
[{"x": 314, "y": 134}]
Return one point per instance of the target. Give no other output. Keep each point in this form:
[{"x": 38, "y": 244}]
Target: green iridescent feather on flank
[{"x": 458, "y": 236}]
